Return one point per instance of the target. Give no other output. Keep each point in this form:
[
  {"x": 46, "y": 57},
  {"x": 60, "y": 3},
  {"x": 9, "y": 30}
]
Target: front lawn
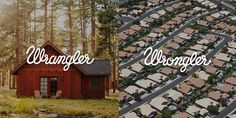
[{"x": 9, "y": 104}]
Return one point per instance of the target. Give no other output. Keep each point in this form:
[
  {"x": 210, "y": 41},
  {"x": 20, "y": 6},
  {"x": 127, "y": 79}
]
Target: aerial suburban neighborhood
[{"x": 178, "y": 28}]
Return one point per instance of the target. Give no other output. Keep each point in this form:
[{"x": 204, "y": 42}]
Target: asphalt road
[
  {"x": 227, "y": 110},
  {"x": 144, "y": 15},
  {"x": 179, "y": 80},
  {"x": 158, "y": 45},
  {"x": 226, "y": 6}
]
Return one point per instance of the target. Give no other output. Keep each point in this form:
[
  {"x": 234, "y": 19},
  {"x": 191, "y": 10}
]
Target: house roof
[
  {"x": 203, "y": 75},
  {"x": 168, "y": 71},
  {"x": 232, "y": 44},
  {"x": 194, "y": 109},
  {"x": 126, "y": 72},
  {"x": 182, "y": 115},
  {"x": 189, "y": 31},
  {"x": 157, "y": 77},
  {"x": 98, "y": 67},
  {"x": 159, "y": 103},
  {"x": 211, "y": 37},
  {"x": 223, "y": 57},
  {"x": 185, "y": 88},
  {"x": 198, "y": 47},
  {"x": 218, "y": 63},
  {"x": 216, "y": 95},
  {"x": 225, "y": 88},
  {"x": 211, "y": 69},
  {"x": 146, "y": 109},
  {"x": 130, "y": 115},
  {"x": 173, "y": 94},
  {"x": 178, "y": 40},
  {"x": 144, "y": 83},
  {"x": 205, "y": 102},
  {"x": 234, "y": 74},
  {"x": 132, "y": 89},
  {"x": 196, "y": 82},
  {"x": 137, "y": 67}
]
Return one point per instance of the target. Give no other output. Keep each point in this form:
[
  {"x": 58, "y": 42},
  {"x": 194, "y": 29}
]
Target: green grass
[{"x": 10, "y": 104}]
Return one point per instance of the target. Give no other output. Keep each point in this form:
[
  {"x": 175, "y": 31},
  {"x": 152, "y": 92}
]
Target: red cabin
[{"x": 78, "y": 82}]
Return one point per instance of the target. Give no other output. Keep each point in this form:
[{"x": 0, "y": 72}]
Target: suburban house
[{"x": 78, "y": 82}]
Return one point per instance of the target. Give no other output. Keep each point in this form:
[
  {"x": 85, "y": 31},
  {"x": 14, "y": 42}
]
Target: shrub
[{"x": 24, "y": 105}]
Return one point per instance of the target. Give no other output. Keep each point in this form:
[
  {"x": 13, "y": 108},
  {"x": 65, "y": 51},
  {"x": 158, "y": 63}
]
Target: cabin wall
[
  {"x": 28, "y": 80},
  {"x": 72, "y": 82},
  {"x": 87, "y": 91}
]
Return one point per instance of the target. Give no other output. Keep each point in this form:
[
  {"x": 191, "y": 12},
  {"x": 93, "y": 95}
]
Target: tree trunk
[
  {"x": 93, "y": 25},
  {"x": 35, "y": 31},
  {"x": 45, "y": 19},
  {"x": 83, "y": 27},
  {"x": 1, "y": 78},
  {"x": 114, "y": 76},
  {"x": 9, "y": 76},
  {"x": 71, "y": 45},
  {"x": 51, "y": 36},
  {"x": 17, "y": 36}
]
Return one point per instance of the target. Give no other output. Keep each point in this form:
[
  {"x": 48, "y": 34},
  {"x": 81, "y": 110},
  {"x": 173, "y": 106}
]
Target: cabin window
[
  {"x": 44, "y": 86},
  {"x": 95, "y": 83}
]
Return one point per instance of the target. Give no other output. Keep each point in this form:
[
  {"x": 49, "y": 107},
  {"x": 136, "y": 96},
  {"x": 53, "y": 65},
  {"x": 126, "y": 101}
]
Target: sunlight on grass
[{"x": 10, "y": 104}]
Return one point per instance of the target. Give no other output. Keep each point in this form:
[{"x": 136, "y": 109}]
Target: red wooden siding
[{"x": 73, "y": 83}]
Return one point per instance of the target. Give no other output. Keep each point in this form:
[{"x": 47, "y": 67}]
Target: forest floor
[{"x": 10, "y": 106}]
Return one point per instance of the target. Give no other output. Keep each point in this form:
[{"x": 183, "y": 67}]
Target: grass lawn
[{"x": 9, "y": 104}]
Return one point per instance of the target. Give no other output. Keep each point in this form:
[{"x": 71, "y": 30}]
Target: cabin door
[
  {"x": 48, "y": 86},
  {"x": 53, "y": 86}
]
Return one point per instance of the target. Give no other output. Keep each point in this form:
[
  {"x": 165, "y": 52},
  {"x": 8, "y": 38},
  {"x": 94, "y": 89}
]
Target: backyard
[{"x": 25, "y": 107}]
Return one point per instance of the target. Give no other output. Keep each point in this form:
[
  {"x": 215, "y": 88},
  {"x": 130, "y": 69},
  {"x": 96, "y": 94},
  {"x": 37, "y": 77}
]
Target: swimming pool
[{"x": 220, "y": 84}]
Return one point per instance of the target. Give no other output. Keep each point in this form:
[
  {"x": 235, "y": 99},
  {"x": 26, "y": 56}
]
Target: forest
[{"x": 86, "y": 25}]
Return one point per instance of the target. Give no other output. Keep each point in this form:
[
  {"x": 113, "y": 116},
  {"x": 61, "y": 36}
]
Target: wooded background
[{"x": 86, "y": 25}]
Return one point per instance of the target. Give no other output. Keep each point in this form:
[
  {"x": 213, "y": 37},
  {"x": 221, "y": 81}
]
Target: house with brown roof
[
  {"x": 182, "y": 115},
  {"x": 153, "y": 3},
  {"x": 169, "y": 9},
  {"x": 217, "y": 95},
  {"x": 220, "y": 26},
  {"x": 189, "y": 31},
  {"x": 172, "y": 45},
  {"x": 179, "y": 40},
  {"x": 122, "y": 36},
  {"x": 203, "y": 23},
  {"x": 168, "y": 71},
  {"x": 177, "y": 19},
  {"x": 166, "y": 51},
  {"x": 130, "y": 32},
  {"x": 185, "y": 88},
  {"x": 234, "y": 74},
  {"x": 165, "y": 27},
  {"x": 231, "y": 80},
  {"x": 218, "y": 63},
  {"x": 131, "y": 49},
  {"x": 211, "y": 70},
  {"x": 136, "y": 27},
  {"x": 209, "y": 18},
  {"x": 159, "y": 30},
  {"x": 225, "y": 88},
  {"x": 147, "y": 39},
  {"x": 196, "y": 82},
  {"x": 212, "y": 37}
]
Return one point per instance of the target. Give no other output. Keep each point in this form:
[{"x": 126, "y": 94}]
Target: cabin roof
[{"x": 98, "y": 67}]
